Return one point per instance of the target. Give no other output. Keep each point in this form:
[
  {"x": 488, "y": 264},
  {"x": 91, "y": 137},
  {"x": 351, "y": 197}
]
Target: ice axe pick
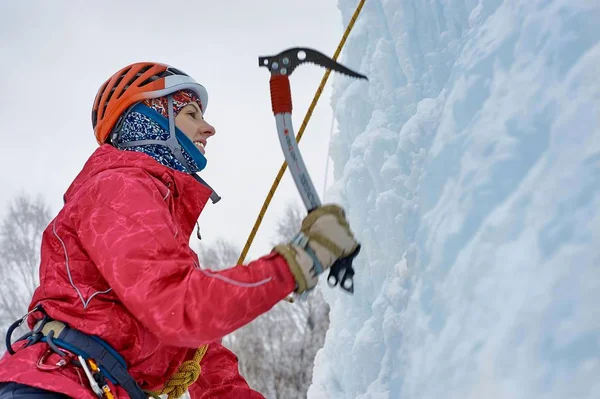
[{"x": 281, "y": 67}]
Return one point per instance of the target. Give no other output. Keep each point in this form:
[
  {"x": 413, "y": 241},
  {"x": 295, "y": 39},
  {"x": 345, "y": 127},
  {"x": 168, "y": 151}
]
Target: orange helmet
[{"x": 135, "y": 83}]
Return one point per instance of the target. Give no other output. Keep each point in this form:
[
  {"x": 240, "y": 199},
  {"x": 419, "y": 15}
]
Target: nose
[{"x": 207, "y": 129}]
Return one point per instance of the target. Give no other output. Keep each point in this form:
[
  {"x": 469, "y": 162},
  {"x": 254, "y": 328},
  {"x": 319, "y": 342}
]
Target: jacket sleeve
[
  {"x": 125, "y": 226},
  {"x": 220, "y": 377}
]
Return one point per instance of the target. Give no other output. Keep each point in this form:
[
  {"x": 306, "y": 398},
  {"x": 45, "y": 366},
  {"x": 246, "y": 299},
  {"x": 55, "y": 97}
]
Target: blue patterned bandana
[{"x": 137, "y": 126}]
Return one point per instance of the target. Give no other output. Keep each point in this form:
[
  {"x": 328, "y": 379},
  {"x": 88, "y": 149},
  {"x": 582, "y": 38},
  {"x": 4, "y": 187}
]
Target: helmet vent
[
  {"x": 110, "y": 93},
  {"x": 117, "y": 84},
  {"x": 134, "y": 78},
  {"x": 100, "y": 93},
  {"x": 142, "y": 71},
  {"x": 149, "y": 80},
  {"x": 175, "y": 71}
]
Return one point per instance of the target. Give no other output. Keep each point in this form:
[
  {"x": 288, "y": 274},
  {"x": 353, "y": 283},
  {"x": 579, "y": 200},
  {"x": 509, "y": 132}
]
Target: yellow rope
[
  {"x": 299, "y": 136},
  {"x": 189, "y": 371}
]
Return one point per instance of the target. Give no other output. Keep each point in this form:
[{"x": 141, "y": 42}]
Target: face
[{"x": 190, "y": 121}]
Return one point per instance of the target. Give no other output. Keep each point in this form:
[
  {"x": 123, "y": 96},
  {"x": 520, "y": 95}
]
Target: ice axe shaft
[
  {"x": 281, "y": 66},
  {"x": 281, "y": 102}
]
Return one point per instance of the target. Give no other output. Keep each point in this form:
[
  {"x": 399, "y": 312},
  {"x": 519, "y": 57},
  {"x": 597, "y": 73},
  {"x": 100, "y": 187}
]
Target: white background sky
[{"x": 56, "y": 54}]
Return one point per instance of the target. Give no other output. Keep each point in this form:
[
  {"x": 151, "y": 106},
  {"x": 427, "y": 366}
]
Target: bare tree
[
  {"x": 289, "y": 224},
  {"x": 20, "y": 238},
  {"x": 277, "y": 350},
  {"x": 221, "y": 255}
]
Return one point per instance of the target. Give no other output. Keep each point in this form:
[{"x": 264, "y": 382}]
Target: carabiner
[
  {"x": 64, "y": 360},
  {"x": 88, "y": 373},
  {"x": 16, "y": 325}
]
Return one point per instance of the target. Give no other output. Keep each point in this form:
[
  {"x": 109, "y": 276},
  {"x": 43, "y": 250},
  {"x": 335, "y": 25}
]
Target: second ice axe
[{"x": 281, "y": 66}]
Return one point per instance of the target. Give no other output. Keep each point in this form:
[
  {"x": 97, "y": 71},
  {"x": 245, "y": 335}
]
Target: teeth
[{"x": 199, "y": 145}]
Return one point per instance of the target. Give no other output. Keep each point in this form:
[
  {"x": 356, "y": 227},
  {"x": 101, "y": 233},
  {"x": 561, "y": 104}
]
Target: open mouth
[{"x": 201, "y": 146}]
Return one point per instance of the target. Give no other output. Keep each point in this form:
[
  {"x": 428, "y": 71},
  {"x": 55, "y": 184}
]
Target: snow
[{"x": 469, "y": 165}]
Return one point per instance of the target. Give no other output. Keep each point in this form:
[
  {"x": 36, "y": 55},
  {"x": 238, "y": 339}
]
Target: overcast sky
[{"x": 56, "y": 54}]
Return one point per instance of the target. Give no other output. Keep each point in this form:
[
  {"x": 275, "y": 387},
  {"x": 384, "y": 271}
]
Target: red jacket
[{"x": 116, "y": 263}]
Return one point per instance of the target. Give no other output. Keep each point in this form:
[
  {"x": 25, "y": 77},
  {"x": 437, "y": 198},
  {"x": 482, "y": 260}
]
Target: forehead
[{"x": 194, "y": 104}]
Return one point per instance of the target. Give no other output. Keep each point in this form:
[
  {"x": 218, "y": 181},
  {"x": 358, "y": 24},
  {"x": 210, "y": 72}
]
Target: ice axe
[{"x": 281, "y": 66}]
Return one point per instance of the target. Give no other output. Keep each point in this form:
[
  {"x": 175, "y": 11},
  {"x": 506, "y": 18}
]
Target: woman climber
[{"x": 123, "y": 305}]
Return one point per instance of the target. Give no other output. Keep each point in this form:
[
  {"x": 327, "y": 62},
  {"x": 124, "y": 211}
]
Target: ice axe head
[{"x": 285, "y": 62}]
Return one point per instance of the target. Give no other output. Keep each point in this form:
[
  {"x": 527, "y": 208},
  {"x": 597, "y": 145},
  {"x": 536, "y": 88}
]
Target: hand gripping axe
[{"x": 281, "y": 66}]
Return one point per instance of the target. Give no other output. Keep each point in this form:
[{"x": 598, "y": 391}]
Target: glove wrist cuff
[
  {"x": 301, "y": 240},
  {"x": 288, "y": 253}
]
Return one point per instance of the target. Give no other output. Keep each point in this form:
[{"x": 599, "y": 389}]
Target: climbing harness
[{"x": 99, "y": 361}]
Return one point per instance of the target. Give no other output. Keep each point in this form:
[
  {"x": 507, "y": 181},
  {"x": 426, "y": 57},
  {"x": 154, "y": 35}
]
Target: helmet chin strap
[
  {"x": 175, "y": 147},
  {"x": 172, "y": 142}
]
